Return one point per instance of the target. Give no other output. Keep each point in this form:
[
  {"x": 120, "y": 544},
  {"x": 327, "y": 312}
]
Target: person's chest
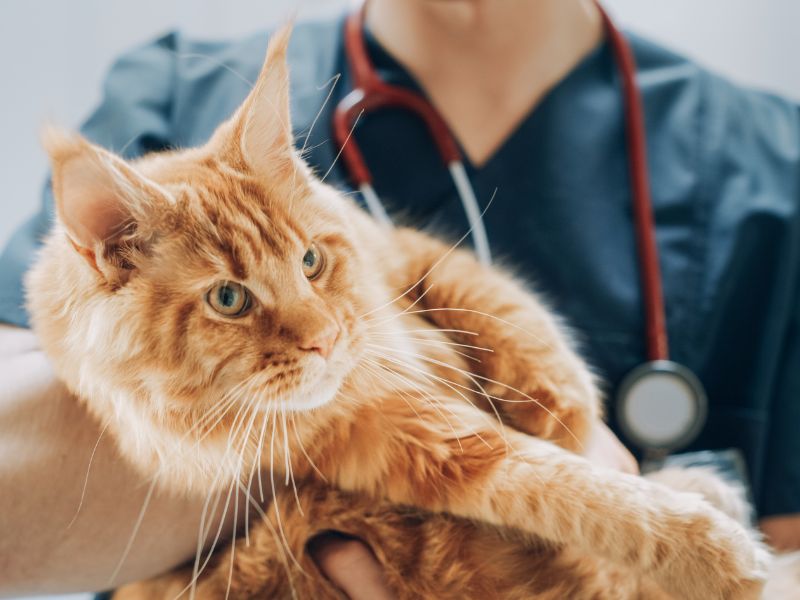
[{"x": 557, "y": 206}]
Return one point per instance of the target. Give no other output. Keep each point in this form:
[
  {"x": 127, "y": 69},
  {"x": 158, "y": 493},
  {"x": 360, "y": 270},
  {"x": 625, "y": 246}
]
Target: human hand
[
  {"x": 782, "y": 532},
  {"x": 350, "y": 565},
  {"x": 604, "y": 448}
]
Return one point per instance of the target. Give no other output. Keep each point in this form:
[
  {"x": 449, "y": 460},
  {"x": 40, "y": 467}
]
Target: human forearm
[
  {"x": 47, "y": 443},
  {"x": 47, "y": 448}
]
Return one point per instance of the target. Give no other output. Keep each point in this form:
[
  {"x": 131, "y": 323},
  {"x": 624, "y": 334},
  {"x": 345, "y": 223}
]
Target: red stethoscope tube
[
  {"x": 649, "y": 270},
  {"x": 370, "y": 93}
]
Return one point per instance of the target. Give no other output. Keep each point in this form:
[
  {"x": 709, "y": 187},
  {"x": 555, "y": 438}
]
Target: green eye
[
  {"x": 229, "y": 299},
  {"x": 313, "y": 262}
]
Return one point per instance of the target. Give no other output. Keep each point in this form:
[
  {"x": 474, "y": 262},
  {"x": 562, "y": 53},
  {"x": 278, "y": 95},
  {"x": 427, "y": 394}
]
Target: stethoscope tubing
[
  {"x": 370, "y": 93},
  {"x": 635, "y": 131},
  {"x": 646, "y": 383}
]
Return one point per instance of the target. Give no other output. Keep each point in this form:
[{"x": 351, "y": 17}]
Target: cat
[{"x": 203, "y": 302}]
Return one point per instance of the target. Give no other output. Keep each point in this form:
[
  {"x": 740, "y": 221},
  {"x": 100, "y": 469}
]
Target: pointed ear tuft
[
  {"x": 101, "y": 201},
  {"x": 266, "y": 138}
]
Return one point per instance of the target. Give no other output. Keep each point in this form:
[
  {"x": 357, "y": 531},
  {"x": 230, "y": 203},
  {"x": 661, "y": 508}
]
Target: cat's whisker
[
  {"x": 220, "y": 409},
  {"x": 454, "y": 387},
  {"x": 266, "y": 521},
  {"x": 437, "y": 330},
  {"x": 217, "y": 62},
  {"x": 202, "y": 535},
  {"x": 290, "y": 469},
  {"x": 303, "y": 449},
  {"x": 439, "y": 261},
  {"x": 235, "y": 482},
  {"x": 238, "y": 424},
  {"x": 198, "y": 569},
  {"x": 292, "y": 476},
  {"x": 332, "y": 83},
  {"x": 262, "y": 439},
  {"x": 86, "y": 479},
  {"x": 249, "y": 483},
  {"x": 404, "y": 395},
  {"x": 483, "y": 392},
  {"x": 233, "y": 541},
  {"x": 346, "y": 140},
  {"x": 447, "y": 342},
  {"x": 223, "y": 413},
  {"x": 416, "y": 301},
  {"x": 527, "y": 398},
  {"x": 135, "y": 531},
  {"x": 423, "y": 342},
  {"x": 531, "y": 334},
  {"x": 275, "y": 502},
  {"x": 256, "y": 465}
]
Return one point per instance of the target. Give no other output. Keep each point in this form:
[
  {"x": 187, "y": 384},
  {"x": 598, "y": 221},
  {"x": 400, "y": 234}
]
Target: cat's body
[{"x": 224, "y": 312}]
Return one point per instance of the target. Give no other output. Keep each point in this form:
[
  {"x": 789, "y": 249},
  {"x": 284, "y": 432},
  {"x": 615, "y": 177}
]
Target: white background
[{"x": 53, "y": 55}]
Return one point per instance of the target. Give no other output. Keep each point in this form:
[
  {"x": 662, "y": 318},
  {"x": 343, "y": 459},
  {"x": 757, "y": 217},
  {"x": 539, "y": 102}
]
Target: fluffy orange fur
[{"x": 411, "y": 395}]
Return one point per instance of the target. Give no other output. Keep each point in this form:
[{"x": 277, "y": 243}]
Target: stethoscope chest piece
[{"x": 661, "y": 406}]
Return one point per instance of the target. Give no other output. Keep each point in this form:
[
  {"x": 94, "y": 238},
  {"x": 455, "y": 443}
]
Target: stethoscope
[{"x": 661, "y": 405}]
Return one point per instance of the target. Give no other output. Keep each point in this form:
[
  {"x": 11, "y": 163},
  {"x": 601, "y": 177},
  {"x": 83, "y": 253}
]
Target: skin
[{"x": 48, "y": 439}]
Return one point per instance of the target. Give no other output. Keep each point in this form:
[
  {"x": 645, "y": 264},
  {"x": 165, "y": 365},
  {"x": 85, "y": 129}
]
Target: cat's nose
[{"x": 323, "y": 341}]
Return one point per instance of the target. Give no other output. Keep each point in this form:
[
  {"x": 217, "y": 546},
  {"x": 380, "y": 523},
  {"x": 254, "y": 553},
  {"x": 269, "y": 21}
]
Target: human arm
[
  {"x": 59, "y": 537},
  {"x": 47, "y": 444}
]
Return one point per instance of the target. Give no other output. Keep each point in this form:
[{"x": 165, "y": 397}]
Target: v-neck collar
[{"x": 392, "y": 71}]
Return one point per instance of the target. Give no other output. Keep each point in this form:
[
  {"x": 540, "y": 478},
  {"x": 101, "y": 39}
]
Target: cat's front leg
[
  {"x": 522, "y": 357},
  {"x": 678, "y": 540},
  {"x": 692, "y": 550}
]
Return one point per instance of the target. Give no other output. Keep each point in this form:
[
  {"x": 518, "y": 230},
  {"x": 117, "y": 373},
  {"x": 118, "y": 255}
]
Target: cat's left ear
[
  {"x": 108, "y": 209},
  {"x": 262, "y": 126}
]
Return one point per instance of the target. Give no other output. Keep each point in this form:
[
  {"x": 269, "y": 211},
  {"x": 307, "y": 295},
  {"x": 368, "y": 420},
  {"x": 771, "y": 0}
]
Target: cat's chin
[{"x": 310, "y": 397}]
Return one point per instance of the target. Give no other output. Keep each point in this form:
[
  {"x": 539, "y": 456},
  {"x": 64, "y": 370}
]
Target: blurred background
[{"x": 54, "y": 55}]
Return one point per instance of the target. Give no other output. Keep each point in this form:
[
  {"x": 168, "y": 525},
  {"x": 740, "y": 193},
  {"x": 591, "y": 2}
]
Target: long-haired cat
[{"x": 225, "y": 313}]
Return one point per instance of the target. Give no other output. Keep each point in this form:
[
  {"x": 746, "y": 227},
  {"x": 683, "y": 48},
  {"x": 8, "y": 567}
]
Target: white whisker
[
  {"x": 135, "y": 531},
  {"x": 86, "y": 479}
]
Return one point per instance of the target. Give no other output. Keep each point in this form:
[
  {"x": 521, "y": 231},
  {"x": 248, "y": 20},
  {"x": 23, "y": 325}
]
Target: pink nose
[{"x": 322, "y": 342}]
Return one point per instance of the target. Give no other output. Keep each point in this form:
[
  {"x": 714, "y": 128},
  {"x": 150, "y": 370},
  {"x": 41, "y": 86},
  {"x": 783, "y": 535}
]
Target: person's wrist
[
  {"x": 602, "y": 447},
  {"x": 782, "y": 532},
  {"x": 350, "y": 565}
]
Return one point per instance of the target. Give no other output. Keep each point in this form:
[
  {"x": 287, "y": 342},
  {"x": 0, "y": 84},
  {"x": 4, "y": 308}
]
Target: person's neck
[{"x": 485, "y": 63}]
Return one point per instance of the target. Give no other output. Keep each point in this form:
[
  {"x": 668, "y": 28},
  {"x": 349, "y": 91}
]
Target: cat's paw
[{"x": 720, "y": 560}]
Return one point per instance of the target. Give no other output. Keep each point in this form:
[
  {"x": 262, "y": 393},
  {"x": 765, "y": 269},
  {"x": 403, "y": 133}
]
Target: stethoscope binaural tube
[
  {"x": 661, "y": 405},
  {"x": 369, "y": 94}
]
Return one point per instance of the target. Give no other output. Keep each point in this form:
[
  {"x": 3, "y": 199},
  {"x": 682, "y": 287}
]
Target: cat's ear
[
  {"x": 103, "y": 203},
  {"x": 263, "y": 124}
]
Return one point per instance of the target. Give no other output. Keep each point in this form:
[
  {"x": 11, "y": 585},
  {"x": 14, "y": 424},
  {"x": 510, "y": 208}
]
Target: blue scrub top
[{"x": 725, "y": 170}]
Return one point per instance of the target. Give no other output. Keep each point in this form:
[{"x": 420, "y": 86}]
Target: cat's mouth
[{"x": 312, "y": 383}]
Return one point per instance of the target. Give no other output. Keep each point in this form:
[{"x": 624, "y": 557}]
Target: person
[{"x": 530, "y": 91}]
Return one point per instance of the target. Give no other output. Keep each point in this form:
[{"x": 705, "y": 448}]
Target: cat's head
[{"x": 195, "y": 280}]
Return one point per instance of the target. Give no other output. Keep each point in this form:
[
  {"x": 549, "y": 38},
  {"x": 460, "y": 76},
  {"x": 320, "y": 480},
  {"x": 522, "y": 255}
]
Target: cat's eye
[
  {"x": 229, "y": 299},
  {"x": 313, "y": 262}
]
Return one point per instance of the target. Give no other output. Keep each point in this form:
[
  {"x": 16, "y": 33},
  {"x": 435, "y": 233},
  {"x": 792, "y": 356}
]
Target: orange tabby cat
[{"x": 223, "y": 311}]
